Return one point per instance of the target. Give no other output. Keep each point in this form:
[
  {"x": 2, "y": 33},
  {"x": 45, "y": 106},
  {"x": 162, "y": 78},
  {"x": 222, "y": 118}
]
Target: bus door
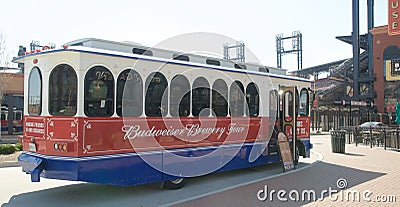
[{"x": 288, "y": 112}]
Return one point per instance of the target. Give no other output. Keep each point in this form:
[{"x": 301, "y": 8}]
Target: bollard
[
  {"x": 397, "y": 139},
  {"x": 384, "y": 139},
  {"x": 370, "y": 136}
]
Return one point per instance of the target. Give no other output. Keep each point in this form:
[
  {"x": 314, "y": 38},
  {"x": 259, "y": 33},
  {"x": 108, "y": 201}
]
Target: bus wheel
[
  {"x": 174, "y": 184},
  {"x": 296, "y": 156}
]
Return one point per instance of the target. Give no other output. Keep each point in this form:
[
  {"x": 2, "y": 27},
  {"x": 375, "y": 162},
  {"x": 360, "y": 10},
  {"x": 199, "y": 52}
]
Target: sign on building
[
  {"x": 394, "y": 18},
  {"x": 392, "y": 69}
]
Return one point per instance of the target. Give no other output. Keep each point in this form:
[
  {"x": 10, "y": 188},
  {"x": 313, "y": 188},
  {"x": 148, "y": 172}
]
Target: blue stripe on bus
[{"x": 129, "y": 169}]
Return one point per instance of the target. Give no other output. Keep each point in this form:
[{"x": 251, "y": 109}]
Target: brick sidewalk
[{"x": 370, "y": 173}]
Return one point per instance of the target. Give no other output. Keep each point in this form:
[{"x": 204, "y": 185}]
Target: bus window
[
  {"x": 273, "y": 105},
  {"x": 156, "y": 101},
  {"x": 220, "y": 98},
  {"x": 181, "y": 57},
  {"x": 99, "y": 92},
  {"x": 63, "y": 91},
  {"x": 288, "y": 101},
  {"x": 18, "y": 115},
  {"x": 252, "y": 99},
  {"x": 129, "y": 94},
  {"x": 179, "y": 96},
  {"x": 236, "y": 99},
  {"x": 201, "y": 97},
  {"x": 35, "y": 92},
  {"x": 304, "y": 102}
]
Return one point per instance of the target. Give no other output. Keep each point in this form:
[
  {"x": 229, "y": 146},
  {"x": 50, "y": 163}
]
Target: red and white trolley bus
[{"x": 124, "y": 114}]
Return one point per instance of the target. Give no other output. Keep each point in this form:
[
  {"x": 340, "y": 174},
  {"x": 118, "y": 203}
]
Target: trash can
[{"x": 338, "y": 141}]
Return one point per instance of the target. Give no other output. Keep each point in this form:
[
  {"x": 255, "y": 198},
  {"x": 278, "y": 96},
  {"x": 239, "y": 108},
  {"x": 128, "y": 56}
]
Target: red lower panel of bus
[{"x": 81, "y": 136}]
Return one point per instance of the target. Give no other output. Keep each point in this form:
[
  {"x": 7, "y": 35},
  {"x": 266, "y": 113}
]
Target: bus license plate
[{"x": 32, "y": 147}]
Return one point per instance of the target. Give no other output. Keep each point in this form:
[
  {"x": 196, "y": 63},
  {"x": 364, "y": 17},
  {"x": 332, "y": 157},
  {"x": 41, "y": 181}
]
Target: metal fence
[{"x": 387, "y": 137}]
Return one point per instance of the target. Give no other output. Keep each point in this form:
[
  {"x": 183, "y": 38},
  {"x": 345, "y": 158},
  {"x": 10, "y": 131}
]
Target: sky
[{"x": 255, "y": 22}]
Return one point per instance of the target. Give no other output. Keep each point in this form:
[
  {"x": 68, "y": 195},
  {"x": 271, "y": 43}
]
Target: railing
[{"x": 387, "y": 137}]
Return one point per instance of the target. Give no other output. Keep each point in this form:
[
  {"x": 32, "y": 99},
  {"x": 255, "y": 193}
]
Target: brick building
[{"x": 386, "y": 68}]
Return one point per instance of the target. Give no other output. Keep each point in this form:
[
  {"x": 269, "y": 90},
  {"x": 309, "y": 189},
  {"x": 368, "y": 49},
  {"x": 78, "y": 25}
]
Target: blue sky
[{"x": 256, "y": 23}]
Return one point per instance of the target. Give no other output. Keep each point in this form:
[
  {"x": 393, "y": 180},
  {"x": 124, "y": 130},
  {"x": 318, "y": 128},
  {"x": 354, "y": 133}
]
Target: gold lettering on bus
[{"x": 191, "y": 130}]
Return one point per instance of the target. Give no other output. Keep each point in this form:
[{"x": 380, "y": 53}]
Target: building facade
[{"x": 386, "y": 49}]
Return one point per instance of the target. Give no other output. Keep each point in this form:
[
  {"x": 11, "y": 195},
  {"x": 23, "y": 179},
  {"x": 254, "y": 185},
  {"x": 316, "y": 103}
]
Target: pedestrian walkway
[{"x": 363, "y": 176}]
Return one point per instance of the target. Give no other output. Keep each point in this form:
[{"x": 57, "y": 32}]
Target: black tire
[{"x": 174, "y": 184}]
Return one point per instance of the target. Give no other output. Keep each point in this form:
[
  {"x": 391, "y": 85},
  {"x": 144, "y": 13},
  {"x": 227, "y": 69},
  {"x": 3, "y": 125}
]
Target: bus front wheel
[{"x": 174, "y": 184}]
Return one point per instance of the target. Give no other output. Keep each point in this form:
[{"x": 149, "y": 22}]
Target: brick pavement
[{"x": 371, "y": 174}]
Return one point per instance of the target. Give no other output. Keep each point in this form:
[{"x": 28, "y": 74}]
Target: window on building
[
  {"x": 179, "y": 96},
  {"x": 129, "y": 94},
  {"x": 201, "y": 97},
  {"x": 304, "y": 102},
  {"x": 63, "y": 91},
  {"x": 99, "y": 92},
  {"x": 156, "y": 100},
  {"x": 252, "y": 99},
  {"x": 220, "y": 98},
  {"x": 35, "y": 92},
  {"x": 236, "y": 99}
]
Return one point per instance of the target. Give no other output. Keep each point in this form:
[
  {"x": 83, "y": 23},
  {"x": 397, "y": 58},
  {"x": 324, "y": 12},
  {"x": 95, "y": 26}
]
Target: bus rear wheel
[{"x": 174, "y": 184}]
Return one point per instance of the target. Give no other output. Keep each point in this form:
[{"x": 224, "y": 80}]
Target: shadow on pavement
[
  {"x": 87, "y": 194},
  {"x": 318, "y": 178},
  {"x": 354, "y": 154}
]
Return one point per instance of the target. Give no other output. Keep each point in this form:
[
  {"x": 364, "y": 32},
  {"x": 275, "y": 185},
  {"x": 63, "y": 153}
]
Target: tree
[{"x": 5, "y": 78}]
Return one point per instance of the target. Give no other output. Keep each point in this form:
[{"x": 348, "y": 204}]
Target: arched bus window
[
  {"x": 35, "y": 92},
  {"x": 304, "y": 102},
  {"x": 3, "y": 115},
  {"x": 201, "y": 97},
  {"x": 220, "y": 98},
  {"x": 236, "y": 99},
  {"x": 179, "y": 96},
  {"x": 18, "y": 115},
  {"x": 273, "y": 105},
  {"x": 99, "y": 92},
  {"x": 156, "y": 101},
  {"x": 63, "y": 91},
  {"x": 252, "y": 99},
  {"x": 288, "y": 101},
  {"x": 129, "y": 94}
]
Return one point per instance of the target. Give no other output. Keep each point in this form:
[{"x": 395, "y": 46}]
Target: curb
[
  {"x": 9, "y": 164},
  {"x": 8, "y": 141}
]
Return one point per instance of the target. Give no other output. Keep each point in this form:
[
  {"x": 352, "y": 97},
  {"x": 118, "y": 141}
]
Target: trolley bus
[
  {"x": 17, "y": 119},
  {"x": 123, "y": 114}
]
